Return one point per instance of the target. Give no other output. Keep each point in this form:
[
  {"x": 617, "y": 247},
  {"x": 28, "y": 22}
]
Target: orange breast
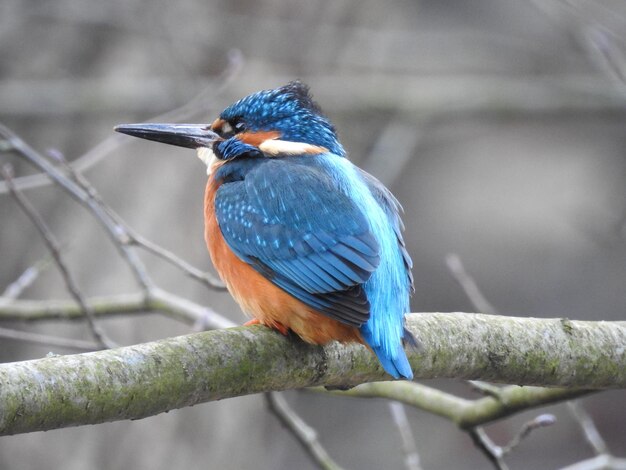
[{"x": 261, "y": 299}]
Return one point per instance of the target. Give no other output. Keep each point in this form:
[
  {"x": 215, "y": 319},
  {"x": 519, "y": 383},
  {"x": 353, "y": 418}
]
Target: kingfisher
[{"x": 304, "y": 240}]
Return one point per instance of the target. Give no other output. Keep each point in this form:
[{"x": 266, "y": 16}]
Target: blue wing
[{"x": 294, "y": 226}]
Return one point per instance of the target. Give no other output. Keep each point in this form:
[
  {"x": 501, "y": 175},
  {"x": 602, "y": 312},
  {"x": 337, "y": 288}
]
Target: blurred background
[{"x": 500, "y": 126}]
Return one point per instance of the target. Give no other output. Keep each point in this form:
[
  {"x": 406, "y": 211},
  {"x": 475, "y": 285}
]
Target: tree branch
[
  {"x": 47, "y": 340},
  {"x": 115, "y": 232},
  {"x": 199, "y": 103},
  {"x": 156, "y": 300},
  {"x": 56, "y": 309},
  {"x": 467, "y": 414},
  {"x": 143, "y": 380},
  {"x": 528, "y": 351},
  {"x": 55, "y": 250}
]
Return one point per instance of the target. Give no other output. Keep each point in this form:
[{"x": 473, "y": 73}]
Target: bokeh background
[{"x": 500, "y": 125}]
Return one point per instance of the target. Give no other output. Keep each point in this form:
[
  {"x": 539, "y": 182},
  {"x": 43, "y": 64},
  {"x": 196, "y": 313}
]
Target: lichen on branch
[{"x": 146, "y": 379}]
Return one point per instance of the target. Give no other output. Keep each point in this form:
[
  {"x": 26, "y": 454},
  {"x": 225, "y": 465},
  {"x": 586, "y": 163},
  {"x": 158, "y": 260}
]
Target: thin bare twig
[
  {"x": 184, "y": 309},
  {"x": 481, "y": 304},
  {"x": 54, "y": 249},
  {"x": 81, "y": 196},
  {"x": 67, "y": 310},
  {"x": 198, "y": 103},
  {"x": 467, "y": 414},
  {"x": 468, "y": 285},
  {"x": 128, "y": 236},
  {"x": 409, "y": 447},
  {"x": 603, "y": 459},
  {"x": 47, "y": 340},
  {"x": 598, "y": 40},
  {"x": 305, "y": 434},
  {"x": 157, "y": 300},
  {"x": 25, "y": 280},
  {"x": 606, "y": 54},
  {"x": 203, "y": 277},
  {"x": 590, "y": 431},
  {"x": 478, "y": 435},
  {"x": 201, "y": 102},
  {"x": 540, "y": 421},
  {"x": 488, "y": 447},
  {"x": 397, "y": 141},
  {"x": 599, "y": 462},
  {"x": 496, "y": 453}
]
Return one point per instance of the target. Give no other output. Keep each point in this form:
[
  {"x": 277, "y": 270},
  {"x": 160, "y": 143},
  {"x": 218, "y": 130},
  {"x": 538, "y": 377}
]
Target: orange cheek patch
[{"x": 257, "y": 138}]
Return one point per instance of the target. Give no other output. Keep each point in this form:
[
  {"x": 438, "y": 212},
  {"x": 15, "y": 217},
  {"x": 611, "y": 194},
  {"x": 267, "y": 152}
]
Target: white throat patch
[
  {"x": 206, "y": 155},
  {"x": 270, "y": 147}
]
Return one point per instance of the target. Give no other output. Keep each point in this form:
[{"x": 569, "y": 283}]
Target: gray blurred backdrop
[{"x": 500, "y": 126}]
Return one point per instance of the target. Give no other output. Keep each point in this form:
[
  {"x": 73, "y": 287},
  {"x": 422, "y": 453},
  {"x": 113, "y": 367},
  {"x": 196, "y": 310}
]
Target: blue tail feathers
[
  {"x": 395, "y": 361},
  {"x": 398, "y": 366}
]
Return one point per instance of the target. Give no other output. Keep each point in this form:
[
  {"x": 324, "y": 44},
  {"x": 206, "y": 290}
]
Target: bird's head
[{"x": 270, "y": 123}]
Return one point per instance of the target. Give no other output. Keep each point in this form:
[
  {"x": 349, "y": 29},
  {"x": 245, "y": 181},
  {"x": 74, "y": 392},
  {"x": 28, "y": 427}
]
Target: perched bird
[{"x": 303, "y": 239}]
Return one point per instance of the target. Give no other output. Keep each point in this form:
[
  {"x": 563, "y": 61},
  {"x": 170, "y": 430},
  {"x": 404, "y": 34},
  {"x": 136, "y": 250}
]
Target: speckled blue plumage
[
  {"x": 288, "y": 109},
  {"x": 315, "y": 225}
]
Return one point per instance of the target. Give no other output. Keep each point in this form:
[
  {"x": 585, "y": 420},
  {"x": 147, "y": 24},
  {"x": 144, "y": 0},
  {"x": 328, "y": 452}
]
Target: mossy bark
[{"x": 142, "y": 380}]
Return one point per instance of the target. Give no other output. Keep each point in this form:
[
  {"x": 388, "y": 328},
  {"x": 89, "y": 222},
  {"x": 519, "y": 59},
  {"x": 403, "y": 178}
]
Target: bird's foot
[{"x": 282, "y": 329}]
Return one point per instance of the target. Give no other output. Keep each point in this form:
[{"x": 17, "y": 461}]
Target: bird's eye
[{"x": 231, "y": 127}]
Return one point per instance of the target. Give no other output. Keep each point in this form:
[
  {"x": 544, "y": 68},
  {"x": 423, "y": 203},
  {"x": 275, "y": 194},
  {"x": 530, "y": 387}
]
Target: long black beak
[{"x": 183, "y": 135}]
